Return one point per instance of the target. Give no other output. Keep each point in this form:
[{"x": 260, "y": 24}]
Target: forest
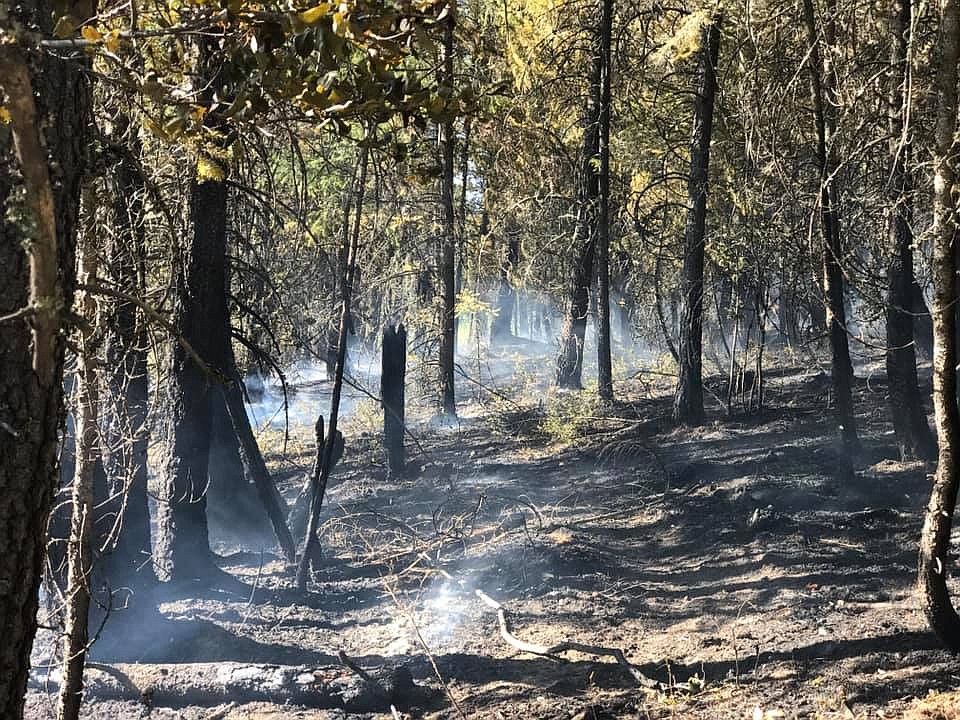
[{"x": 579, "y": 359}]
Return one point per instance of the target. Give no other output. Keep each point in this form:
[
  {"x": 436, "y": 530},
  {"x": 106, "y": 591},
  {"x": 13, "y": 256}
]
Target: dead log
[
  {"x": 209, "y": 684},
  {"x": 392, "y": 378}
]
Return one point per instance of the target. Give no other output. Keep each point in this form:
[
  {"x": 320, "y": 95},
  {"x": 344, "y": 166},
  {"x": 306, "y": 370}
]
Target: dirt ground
[{"x": 747, "y": 566}]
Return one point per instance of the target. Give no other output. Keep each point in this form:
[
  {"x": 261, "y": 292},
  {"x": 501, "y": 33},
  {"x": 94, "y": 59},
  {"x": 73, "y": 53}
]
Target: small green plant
[{"x": 567, "y": 414}]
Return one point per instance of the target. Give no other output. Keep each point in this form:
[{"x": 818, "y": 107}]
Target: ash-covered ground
[{"x": 746, "y": 566}]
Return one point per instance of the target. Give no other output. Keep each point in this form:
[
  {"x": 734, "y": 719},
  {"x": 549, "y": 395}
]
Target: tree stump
[{"x": 392, "y": 379}]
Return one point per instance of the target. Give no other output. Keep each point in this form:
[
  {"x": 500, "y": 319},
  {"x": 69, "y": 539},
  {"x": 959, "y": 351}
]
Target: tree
[
  {"x": 448, "y": 231},
  {"x": 47, "y": 106},
  {"x": 604, "y": 364},
  {"x": 688, "y": 397},
  {"x": 574, "y": 332},
  {"x": 938, "y": 520},
  {"x": 906, "y": 405},
  {"x": 823, "y": 93}
]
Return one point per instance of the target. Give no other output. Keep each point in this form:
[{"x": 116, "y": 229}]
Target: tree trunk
[
  {"x": 51, "y": 98},
  {"x": 183, "y": 547},
  {"x": 448, "y": 240},
  {"x": 80, "y": 543},
  {"x": 126, "y": 559},
  {"x": 333, "y": 438},
  {"x": 824, "y": 100},
  {"x": 935, "y": 537},
  {"x": 501, "y": 325},
  {"x": 574, "y": 332},
  {"x": 914, "y": 438},
  {"x": 604, "y": 362},
  {"x": 688, "y": 397},
  {"x": 392, "y": 381},
  {"x": 252, "y": 458}
]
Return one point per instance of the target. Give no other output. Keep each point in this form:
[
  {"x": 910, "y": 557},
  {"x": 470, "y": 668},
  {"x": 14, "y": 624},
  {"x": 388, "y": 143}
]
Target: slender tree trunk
[
  {"x": 574, "y": 332},
  {"x": 392, "y": 381},
  {"x": 326, "y": 462},
  {"x": 48, "y": 102},
  {"x": 938, "y": 522},
  {"x": 501, "y": 325},
  {"x": 604, "y": 362},
  {"x": 688, "y": 397},
  {"x": 252, "y": 458},
  {"x": 80, "y": 543},
  {"x": 906, "y": 405},
  {"x": 448, "y": 240},
  {"x": 824, "y": 100}
]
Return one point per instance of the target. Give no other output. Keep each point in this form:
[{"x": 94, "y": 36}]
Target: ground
[{"x": 748, "y": 567}]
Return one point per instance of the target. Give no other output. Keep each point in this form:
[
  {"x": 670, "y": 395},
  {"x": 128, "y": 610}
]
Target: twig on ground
[{"x": 554, "y": 650}]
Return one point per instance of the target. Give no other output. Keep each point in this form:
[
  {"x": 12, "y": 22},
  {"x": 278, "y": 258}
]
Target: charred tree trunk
[
  {"x": 501, "y": 326},
  {"x": 127, "y": 548},
  {"x": 267, "y": 493},
  {"x": 80, "y": 543},
  {"x": 914, "y": 438},
  {"x": 688, "y": 397},
  {"x": 448, "y": 239},
  {"x": 574, "y": 332},
  {"x": 334, "y": 440},
  {"x": 183, "y": 547},
  {"x": 922, "y": 322},
  {"x": 938, "y": 522},
  {"x": 392, "y": 383},
  {"x": 604, "y": 361},
  {"x": 824, "y": 100},
  {"x": 48, "y": 97},
  {"x": 233, "y": 512}
]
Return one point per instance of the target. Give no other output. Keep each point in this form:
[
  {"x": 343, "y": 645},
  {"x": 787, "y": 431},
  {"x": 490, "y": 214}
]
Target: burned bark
[
  {"x": 392, "y": 381},
  {"x": 914, "y": 438},
  {"x": 501, "y": 326},
  {"x": 127, "y": 547},
  {"x": 48, "y": 101},
  {"x": 448, "y": 237},
  {"x": 823, "y": 93},
  {"x": 574, "y": 332},
  {"x": 604, "y": 362},
  {"x": 183, "y": 547},
  {"x": 688, "y": 396}
]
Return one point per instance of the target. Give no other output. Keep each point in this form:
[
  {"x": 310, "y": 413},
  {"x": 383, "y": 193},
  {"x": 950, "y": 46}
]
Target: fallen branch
[{"x": 567, "y": 645}]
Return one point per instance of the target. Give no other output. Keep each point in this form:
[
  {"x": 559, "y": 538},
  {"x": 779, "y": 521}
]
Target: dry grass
[{"x": 937, "y": 706}]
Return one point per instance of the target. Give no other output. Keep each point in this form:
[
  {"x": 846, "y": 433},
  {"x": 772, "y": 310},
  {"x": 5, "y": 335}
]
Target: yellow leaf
[
  {"x": 91, "y": 34},
  {"x": 4, "y": 116},
  {"x": 209, "y": 170},
  {"x": 340, "y": 26},
  {"x": 112, "y": 41},
  {"x": 314, "y": 14}
]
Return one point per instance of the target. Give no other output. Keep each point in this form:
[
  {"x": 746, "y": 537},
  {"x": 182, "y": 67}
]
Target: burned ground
[{"x": 743, "y": 565}]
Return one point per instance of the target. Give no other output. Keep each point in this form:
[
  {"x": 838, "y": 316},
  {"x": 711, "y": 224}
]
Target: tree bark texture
[
  {"x": 688, "y": 396},
  {"x": 448, "y": 239},
  {"x": 392, "y": 381},
  {"x": 604, "y": 361},
  {"x": 823, "y": 94},
  {"x": 938, "y": 521},
  {"x": 50, "y": 98},
  {"x": 914, "y": 438}
]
